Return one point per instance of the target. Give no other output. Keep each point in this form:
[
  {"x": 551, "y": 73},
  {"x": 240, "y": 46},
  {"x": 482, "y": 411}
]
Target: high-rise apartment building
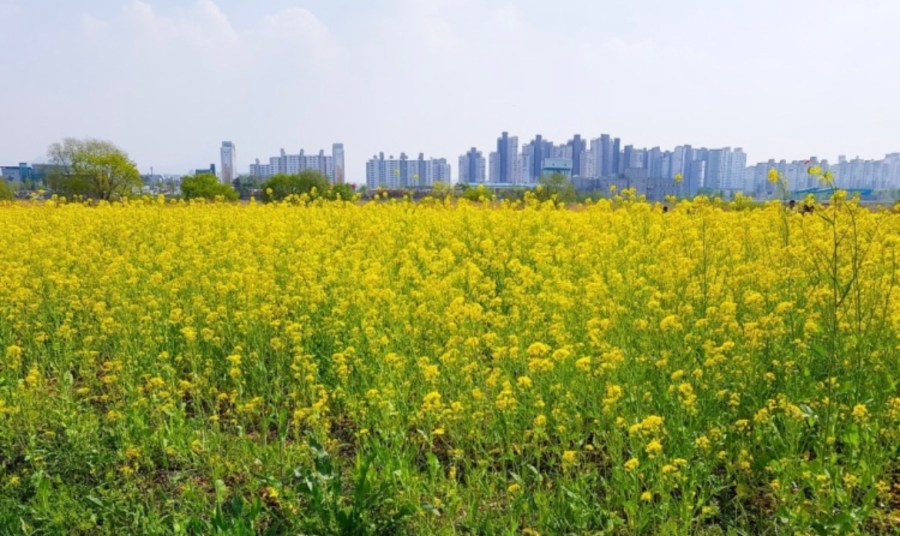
[
  {"x": 588, "y": 164},
  {"x": 725, "y": 169},
  {"x": 617, "y": 162},
  {"x": 440, "y": 171},
  {"x": 541, "y": 149},
  {"x": 472, "y": 167},
  {"x": 295, "y": 163},
  {"x": 607, "y": 155},
  {"x": 535, "y": 152},
  {"x": 654, "y": 164},
  {"x": 403, "y": 172},
  {"x": 337, "y": 153},
  {"x": 576, "y": 147},
  {"x": 628, "y": 158},
  {"x": 229, "y": 156},
  {"x": 503, "y": 164}
]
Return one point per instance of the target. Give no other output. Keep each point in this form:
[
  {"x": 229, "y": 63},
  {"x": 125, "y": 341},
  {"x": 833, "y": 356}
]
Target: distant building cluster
[
  {"x": 849, "y": 174},
  {"x": 603, "y": 158},
  {"x": 685, "y": 170},
  {"x": 403, "y": 172},
  {"x": 28, "y": 174},
  {"x": 332, "y": 166}
]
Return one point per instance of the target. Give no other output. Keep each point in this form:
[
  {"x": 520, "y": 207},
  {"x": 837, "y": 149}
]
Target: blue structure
[
  {"x": 31, "y": 176},
  {"x": 562, "y": 166},
  {"x": 819, "y": 192}
]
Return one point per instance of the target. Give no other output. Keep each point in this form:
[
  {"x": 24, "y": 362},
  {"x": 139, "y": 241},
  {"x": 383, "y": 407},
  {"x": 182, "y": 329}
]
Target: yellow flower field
[{"x": 449, "y": 368}]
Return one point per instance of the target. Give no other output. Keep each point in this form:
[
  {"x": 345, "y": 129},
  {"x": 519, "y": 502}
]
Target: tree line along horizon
[{"x": 89, "y": 168}]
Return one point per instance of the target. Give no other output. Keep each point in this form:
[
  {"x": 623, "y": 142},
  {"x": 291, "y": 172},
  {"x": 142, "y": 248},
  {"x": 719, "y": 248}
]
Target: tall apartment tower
[
  {"x": 228, "y": 159},
  {"x": 471, "y": 167},
  {"x": 503, "y": 161},
  {"x": 337, "y": 152},
  {"x": 577, "y": 147}
]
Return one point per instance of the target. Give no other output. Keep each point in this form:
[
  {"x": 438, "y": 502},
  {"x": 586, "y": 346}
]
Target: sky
[{"x": 169, "y": 80}]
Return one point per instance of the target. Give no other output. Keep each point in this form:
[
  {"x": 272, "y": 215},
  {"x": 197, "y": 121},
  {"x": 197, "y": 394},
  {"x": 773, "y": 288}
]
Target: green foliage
[
  {"x": 341, "y": 191},
  {"x": 308, "y": 181},
  {"x": 207, "y": 186},
  {"x": 440, "y": 189},
  {"x": 477, "y": 193},
  {"x": 555, "y": 186},
  {"x": 6, "y": 191},
  {"x": 368, "y": 508},
  {"x": 92, "y": 168},
  {"x": 235, "y": 517}
]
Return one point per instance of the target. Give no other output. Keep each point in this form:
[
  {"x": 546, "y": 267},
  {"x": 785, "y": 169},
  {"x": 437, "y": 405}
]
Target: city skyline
[
  {"x": 167, "y": 80},
  {"x": 605, "y": 157},
  {"x": 683, "y": 170},
  {"x": 722, "y": 168}
]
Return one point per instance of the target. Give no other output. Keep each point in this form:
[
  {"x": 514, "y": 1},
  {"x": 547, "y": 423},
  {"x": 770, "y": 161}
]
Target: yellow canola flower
[
  {"x": 860, "y": 413},
  {"x": 464, "y": 339},
  {"x": 653, "y": 448}
]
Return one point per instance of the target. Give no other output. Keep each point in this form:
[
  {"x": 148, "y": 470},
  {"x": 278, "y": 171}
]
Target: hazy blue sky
[{"x": 168, "y": 80}]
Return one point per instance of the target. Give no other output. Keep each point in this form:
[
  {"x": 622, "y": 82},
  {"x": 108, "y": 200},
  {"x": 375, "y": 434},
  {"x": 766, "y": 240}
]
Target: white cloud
[
  {"x": 201, "y": 33},
  {"x": 297, "y": 26},
  {"x": 8, "y": 11},
  {"x": 93, "y": 27},
  {"x": 172, "y": 84},
  {"x": 169, "y": 83}
]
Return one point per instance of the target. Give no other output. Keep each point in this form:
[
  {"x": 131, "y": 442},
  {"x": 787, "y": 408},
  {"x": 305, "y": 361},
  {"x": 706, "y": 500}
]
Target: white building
[
  {"x": 337, "y": 152},
  {"x": 404, "y": 172},
  {"x": 229, "y": 156},
  {"x": 295, "y": 163}
]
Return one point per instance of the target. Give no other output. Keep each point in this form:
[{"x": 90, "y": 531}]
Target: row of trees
[
  {"x": 278, "y": 187},
  {"x": 309, "y": 182}
]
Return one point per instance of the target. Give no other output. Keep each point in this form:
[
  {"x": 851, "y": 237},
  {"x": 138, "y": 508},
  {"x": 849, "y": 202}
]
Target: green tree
[
  {"x": 6, "y": 191},
  {"x": 557, "y": 185},
  {"x": 440, "y": 189},
  {"x": 477, "y": 193},
  {"x": 340, "y": 191},
  {"x": 206, "y": 186},
  {"x": 92, "y": 168},
  {"x": 307, "y": 181}
]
